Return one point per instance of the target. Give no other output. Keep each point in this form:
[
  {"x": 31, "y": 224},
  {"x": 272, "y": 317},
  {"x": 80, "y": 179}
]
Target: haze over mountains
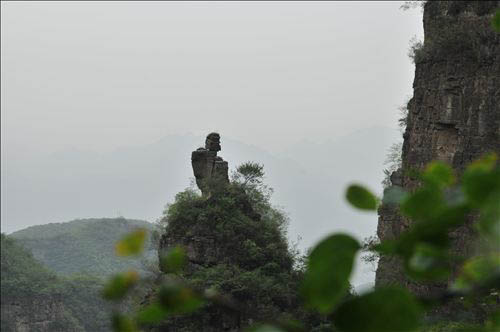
[
  {"x": 137, "y": 181},
  {"x": 267, "y": 76}
]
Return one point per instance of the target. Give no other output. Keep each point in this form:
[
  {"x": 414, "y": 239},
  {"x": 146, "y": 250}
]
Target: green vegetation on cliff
[{"x": 236, "y": 247}]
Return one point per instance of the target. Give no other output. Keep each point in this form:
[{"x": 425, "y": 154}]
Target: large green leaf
[
  {"x": 329, "y": 267},
  {"x": 489, "y": 221},
  {"x": 433, "y": 232},
  {"x": 118, "y": 286},
  {"x": 121, "y": 323},
  {"x": 383, "y": 310},
  {"x": 394, "y": 195},
  {"x": 481, "y": 180},
  {"x": 438, "y": 174},
  {"x": 429, "y": 262},
  {"x": 132, "y": 243},
  {"x": 176, "y": 298},
  {"x": 265, "y": 328},
  {"x": 493, "y": 323},
  {"x": 478, "y": 270},
  {"x": 495, "y": 22},
  {"x": 279, "y": 325},
  {"x": 173, "y": 298},
  {"x": 481, "y": 185},
  {"x": 153, "y": 313},
  {"x": 173, "y": 261},
  {"x": 423, "y": 204},
  {"x": 361, "y": 198}
]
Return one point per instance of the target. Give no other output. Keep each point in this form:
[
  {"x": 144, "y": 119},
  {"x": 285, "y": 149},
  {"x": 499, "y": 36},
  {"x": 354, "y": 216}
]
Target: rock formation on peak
[
  {"x": 454, "y": 115},
  {"x": 207, "y": 166},
  {"x": 212, "y": 142},
  {"x": 235, "y": 245}
]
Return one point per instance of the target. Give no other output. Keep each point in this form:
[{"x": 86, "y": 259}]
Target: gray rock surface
[
  {"x": 208, "y": 168},
  {"x": 454, "y": 115}
]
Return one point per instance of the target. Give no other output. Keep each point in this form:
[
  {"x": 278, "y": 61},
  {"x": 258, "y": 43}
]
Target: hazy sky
[
  {"x": 94, "y": 77},
  {"x": 98, "y": 75}
]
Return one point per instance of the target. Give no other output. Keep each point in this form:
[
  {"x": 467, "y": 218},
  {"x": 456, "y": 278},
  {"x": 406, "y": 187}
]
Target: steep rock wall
[{"x": 454, "y": 115}]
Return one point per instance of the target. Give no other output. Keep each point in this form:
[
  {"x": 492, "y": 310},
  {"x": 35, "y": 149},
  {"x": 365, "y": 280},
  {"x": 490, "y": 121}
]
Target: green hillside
[
  {"x": 35, "y": 298},
  {"x": 84, "y": 245},
  {"x": 21, "y": 272}
]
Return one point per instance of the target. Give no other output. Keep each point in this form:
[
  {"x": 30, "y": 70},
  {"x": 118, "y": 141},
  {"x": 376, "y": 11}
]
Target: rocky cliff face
[{"x": 454, "y": 115}]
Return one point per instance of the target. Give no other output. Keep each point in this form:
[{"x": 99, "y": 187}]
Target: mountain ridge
[{"x": 84, "y": 245}]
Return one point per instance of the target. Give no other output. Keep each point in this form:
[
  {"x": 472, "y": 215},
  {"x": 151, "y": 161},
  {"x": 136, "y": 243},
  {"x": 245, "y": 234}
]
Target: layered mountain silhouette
[{"x": 137, "y": 181}]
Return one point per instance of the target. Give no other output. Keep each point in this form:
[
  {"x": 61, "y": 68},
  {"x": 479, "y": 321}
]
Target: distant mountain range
[
  {"x": 137, "y": 181},
  {"x": 84, "y": 246}
]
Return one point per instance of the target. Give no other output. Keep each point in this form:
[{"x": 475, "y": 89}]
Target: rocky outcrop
[
  {"x": 454, "y": 115},
  {"x": 235, "y": 245},
  {"x": 209, "y": 168}
]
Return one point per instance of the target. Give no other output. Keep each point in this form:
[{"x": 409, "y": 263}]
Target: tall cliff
[{"x": 454, "y": 115}]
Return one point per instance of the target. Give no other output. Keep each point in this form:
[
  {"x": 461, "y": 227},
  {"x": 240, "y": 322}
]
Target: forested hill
[
  {"x": 17, "y": 263},
  {"x": 35, "y": 299},
  {"x": 84, "y": 245}
]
